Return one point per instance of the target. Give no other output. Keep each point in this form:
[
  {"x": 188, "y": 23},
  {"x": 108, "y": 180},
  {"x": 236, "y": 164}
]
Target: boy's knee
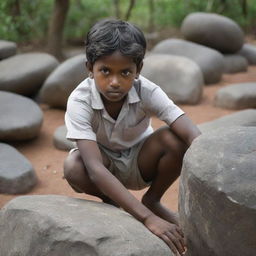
[
  {"x": 71, "y": 164},
  {"x": 172, "y": 142}
]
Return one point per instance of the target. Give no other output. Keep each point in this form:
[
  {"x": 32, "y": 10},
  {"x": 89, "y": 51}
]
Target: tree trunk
[
  {"x": 129, "y": 11},
  {"x": 244, "y": 7},
  {"x": 117, "y": 8},
  {"x": 15, "y": 8},
  {"x": 151, "y": 20},
  {"x": 56, "y": 27}
]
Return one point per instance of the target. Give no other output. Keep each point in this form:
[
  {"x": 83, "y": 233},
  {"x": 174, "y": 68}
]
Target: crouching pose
[{"x": 108, "y": 115}]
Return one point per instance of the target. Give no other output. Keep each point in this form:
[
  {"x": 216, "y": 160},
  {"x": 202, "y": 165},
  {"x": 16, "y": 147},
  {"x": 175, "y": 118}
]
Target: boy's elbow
[{"x": 194, "y": 134}]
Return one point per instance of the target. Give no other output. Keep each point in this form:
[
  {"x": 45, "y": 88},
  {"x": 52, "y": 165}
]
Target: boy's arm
[
  {"x": 184, "y": 128},
  {"x": 112, "y": 187}
]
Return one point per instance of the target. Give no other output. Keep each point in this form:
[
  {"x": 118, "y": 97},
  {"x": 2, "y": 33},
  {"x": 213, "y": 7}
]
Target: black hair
[{"x": 110, "y": 35}]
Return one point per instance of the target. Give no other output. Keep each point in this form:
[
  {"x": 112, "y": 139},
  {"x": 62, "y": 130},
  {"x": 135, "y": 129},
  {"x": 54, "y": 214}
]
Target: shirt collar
[{"x": 97, "y": 101}]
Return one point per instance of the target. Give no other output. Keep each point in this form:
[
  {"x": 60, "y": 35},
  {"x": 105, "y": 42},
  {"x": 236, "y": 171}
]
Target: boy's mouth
[{"x": 114, "y": 93}]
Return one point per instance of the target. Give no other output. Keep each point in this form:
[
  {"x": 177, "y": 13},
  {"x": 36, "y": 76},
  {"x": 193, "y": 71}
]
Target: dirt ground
[{"x": 48, "y": 161}]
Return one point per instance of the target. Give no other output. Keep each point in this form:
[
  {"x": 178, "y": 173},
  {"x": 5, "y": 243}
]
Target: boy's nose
[{"x": 114, "y": 82}]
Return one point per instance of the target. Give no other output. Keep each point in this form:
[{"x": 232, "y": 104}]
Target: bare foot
[{"x": 157, "y": 208}]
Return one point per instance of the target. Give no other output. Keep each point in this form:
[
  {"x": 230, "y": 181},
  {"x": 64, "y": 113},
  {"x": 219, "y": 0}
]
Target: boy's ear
[
  {"x": 139, "y": 68},
  {"x": 89, "y": 66}
]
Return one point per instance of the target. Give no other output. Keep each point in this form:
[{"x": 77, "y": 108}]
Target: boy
[{"x": 108, "y": 115}]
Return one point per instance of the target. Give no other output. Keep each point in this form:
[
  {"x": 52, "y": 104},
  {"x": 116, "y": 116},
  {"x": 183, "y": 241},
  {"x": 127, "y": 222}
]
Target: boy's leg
[
  {"x": 160, "y": 161},
  {"x": 76, "y": 175}
]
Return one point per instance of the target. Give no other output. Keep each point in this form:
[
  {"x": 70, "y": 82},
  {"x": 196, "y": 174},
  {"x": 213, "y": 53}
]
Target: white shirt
[{"x": 86, "y": 117}]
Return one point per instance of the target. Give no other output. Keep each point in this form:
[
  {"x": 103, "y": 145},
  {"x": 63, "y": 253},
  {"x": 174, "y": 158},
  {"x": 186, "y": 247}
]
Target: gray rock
[
  {"x": 234, "y": 63},
  {"x": 249, "y": 52},
  {"x": 60, "y": 141},
  {"x": 57, "y": 225},
  {"x": 7, "y": 49},
  {"x": 217, "y": 194},
  {"x": 237, "y": 96},
  {"x": 63, "y": 80},
  {"x": 25, "y": 73},
  {"x": 16, "y": 172},
  {"x": 213, "y": 30},
  {"x": 210, "y": 61},
  {"x": 21, "y": 118},
  {"x": 241, "y": 118},
  {"x": 179, "y": 77}
]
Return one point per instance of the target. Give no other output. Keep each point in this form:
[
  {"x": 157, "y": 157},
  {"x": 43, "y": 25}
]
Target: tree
[
  {"x": 244, "y": 6},
  {"x": 56, "y": 27},
  {"x": 118, "y": 9},
  {"x": 151, "y": 18}
]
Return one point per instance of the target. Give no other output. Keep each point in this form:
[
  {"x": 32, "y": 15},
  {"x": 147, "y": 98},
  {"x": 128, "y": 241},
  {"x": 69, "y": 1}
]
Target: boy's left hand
[{"x": 170, "y": 233}]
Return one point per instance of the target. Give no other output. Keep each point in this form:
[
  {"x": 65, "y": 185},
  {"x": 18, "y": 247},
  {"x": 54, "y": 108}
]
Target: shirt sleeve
[
  {"x": 78, "y": 120},
  {"x": 160, "y": 105}
]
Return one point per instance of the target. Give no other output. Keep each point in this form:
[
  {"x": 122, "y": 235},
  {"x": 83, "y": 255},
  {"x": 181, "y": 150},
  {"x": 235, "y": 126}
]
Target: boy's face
[{"x": 114, "y": 75}]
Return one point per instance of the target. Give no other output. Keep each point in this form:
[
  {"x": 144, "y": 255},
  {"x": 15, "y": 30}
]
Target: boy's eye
[
  {"x": 105, "y": 71},
  {"x": 126, "y": 72}
]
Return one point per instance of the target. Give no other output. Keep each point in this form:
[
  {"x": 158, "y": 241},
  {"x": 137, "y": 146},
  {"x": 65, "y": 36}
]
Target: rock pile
[
  {"x": 210, "y": 61},
  {"x": 21, "y": 77}
]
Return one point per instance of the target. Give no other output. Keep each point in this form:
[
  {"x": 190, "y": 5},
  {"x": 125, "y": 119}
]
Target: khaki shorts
[{"x": 124, "y": 166}]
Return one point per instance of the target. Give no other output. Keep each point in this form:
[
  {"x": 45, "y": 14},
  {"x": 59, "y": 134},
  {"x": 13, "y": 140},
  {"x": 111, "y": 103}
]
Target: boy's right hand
[{"x": 170, "y": 233}]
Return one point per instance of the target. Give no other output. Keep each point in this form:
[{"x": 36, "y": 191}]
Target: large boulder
[
  {"x": 249, "y": 52},
  {"x": 60, "y": 141},
  {"x": 179, "y": 77},
  {"x": 217, "y": 200},
  {"x": 63, "y": 80},
  {"x": 25, "y": 73},
  {"x": 240, "y": 118},
  {"x": 17, "y": 175},
  {"x": 234, "y": 63},
  {"x": 237, "y": 96},
  {"x": 210, "y": 61},
  {"x": 21, "y": 118},
  {"x": 57, "y": 225},
  {"x": 213, "y": 30},
  {"x": 7, "y": 49}
]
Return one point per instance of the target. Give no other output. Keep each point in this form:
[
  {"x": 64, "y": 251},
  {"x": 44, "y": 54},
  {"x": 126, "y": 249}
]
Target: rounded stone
[
  {"x": 180, "y": 78},
  {"x": 236, "y": 96},
  {"x": 16, "y": 172},
  {"x": 213, "y": 30},
  {"x": 217, "y": 200},
  {"x": 7, "y": 49},
  {"x": 210, "y": 61},
  {"x": 60, "y": 141},
  {"x": 25, "y": 73},
  {"x": 249, "y": 52},
  {"x": 63, "y": 80},
  {"x": 21, "y": 118},
  {"x": 245, "y": 117},
  {"x": 234, "y": 63},
  {"x": 57, "y": 225}
]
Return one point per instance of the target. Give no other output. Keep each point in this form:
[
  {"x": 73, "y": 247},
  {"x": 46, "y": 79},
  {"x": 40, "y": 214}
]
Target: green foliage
[
  {"x": 83, "y": 14},
  {"x": 31, "y": 21}
]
